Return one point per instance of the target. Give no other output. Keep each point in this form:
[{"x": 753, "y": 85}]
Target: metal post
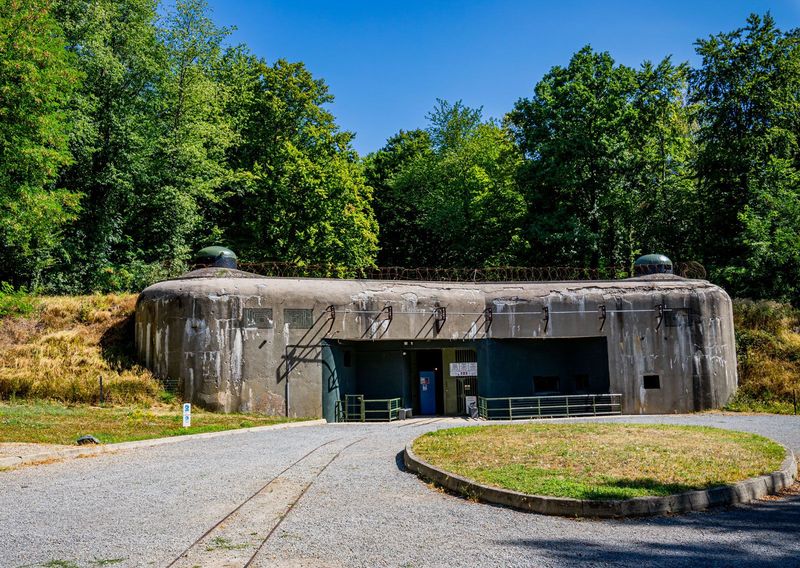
[
  {"x": 102, "y": 399},
  {"x": 510, "y": 413},
  {"x": 287, "y": 357},
  {"x": 566, "y": 398}
]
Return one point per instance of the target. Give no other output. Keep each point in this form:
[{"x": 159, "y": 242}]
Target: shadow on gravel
[
  {"x": 399, "y": 462},
  {"x": 767, "y": 535}
]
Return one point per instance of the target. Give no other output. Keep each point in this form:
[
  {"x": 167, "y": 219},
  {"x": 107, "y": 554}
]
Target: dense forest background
[{"x": 131, "y": 136}]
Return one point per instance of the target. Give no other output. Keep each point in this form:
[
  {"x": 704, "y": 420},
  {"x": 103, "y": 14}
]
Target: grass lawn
[
  {"x": 51, "y": 423},
  {"x": 600, "y": 461}
]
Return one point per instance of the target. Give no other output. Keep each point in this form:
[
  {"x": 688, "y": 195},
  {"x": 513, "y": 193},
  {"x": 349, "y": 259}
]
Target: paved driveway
[{"x": 336, "y": 495}]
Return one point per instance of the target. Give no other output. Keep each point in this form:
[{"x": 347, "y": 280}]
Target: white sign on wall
[
  {"x": 464, "y": 369},
  {"x": 187, "y": 415}
]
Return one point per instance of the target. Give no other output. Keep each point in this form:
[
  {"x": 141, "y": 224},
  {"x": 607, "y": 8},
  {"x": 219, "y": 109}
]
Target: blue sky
[{"x": 387, "y": 62}]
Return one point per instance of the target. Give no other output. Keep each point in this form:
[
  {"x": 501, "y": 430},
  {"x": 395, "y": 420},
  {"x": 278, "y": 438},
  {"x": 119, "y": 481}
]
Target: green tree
[
  {"x": 189, "y": 162},
  {"x": 37, "y": 77},
  {"x": 749, "y": 115},
  {"x": 607, "y": 152},
  {"x": 403, "y": 237},
  {"x": 659, "y": 173},
  {"x": 573, "y": 134},
  {"x": 299, "y": 192},
  {"x": 453, "y": 191},
  {"x": 115, "y": 45}
]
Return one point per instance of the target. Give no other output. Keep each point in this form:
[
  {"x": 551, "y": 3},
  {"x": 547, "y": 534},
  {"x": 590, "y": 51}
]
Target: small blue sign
[{"x": 187, "y": 415}]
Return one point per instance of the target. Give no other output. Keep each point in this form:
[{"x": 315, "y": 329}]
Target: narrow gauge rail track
[{"x": 201, "y": 544}]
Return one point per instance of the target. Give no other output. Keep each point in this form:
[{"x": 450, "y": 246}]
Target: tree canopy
[{"x": 133, "y": 134}]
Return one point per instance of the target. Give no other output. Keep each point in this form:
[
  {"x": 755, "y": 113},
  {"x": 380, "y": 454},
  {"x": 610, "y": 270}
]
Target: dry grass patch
[
  {"x": 600, "y": 461},
  {"x": 768, "y": 354},
  {"x": 60, "y": 349},
  {"x": 48, "y": 423}
]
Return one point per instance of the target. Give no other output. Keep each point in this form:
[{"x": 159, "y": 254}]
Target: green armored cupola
[
  {"x": 215, "y": 256},
  {"x": 652, "y": 264}
]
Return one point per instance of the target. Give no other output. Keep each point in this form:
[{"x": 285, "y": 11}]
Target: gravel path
[
  {"x": 18, "y": 449},
  {"x": 144, "y": 507}
]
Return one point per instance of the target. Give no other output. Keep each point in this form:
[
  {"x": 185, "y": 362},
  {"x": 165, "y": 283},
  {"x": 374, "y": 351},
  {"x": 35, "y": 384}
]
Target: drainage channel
[{"x": 239, "y": 537}]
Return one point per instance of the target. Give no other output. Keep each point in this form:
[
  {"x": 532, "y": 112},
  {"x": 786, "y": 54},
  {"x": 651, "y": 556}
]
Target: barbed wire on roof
[{"x": 438, "y": 274}]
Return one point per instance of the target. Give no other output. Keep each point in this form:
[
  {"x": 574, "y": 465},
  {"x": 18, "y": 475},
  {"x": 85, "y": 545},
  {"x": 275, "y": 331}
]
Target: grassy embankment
[
  {"x": 600, "y": 461},
  {"x": 53, "y": 350},
  {"x": 768, "y": 352}
]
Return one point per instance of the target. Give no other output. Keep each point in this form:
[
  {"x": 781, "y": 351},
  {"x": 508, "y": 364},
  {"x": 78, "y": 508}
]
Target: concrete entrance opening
[
  {"x": 419, "y": 373},
  {"x": 450, "y": 377}
]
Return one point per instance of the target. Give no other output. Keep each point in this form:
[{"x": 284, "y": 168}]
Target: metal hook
[
  {"x": 440, "y": 316},
  {"x": 659, "y": 314}
]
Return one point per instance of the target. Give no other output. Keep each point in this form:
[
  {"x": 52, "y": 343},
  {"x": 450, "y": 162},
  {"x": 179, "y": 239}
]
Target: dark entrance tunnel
[{"x": 505, "y": 368}]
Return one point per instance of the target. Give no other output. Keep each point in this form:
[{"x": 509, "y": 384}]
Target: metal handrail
[
  {"x": 356, "y": 408},
  {"x": 523, "y": 407}
]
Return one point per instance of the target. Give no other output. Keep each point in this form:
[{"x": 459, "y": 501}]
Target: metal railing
[
  {"x": 356, "y": 408},
  {"x": 517, "y": 408}
]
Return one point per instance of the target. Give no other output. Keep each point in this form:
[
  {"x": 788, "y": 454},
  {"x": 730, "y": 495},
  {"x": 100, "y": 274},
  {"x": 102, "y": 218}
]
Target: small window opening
[
  {"x": 652, "y": 382},
  {"x": 581, "y": 383},
  {"x": 348, "y": 358},
  {"x": 545, "y": 385}
]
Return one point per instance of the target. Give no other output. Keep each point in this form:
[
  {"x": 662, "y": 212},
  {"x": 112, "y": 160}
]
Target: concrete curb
[
  {"x": 84, "y": 451},
  {"x": 742, "y": 492}
]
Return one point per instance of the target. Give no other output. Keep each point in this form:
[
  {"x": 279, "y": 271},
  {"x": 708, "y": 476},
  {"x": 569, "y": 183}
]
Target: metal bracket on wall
[
  {"x": 439, "y": 317},
  {"x": 389, "y": 316},
  {"x": 602, "y": 316},
  {"x": 331, "y": 312},
  {"x": 487, "y": 319},
  {"x": 546, "y": 317},
  {"x": 659, "y": 314}
]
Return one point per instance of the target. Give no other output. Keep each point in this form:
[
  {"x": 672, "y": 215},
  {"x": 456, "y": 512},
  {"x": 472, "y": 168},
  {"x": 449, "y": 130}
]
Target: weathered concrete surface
[{"x": 200, "y": 332}]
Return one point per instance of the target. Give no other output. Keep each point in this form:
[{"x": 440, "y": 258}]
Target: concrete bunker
[{"x": 234, "y": 341}]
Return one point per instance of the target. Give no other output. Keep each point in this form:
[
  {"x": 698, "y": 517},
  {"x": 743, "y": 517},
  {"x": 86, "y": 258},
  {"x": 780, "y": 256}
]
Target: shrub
[{"x": 15, "y": 302}]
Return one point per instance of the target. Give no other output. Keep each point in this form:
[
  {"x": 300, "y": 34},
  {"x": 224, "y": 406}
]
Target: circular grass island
[{"x": 602, "y": 469}]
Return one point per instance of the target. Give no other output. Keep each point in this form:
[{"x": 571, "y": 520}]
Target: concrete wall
[{"x": 213, "y": 335}]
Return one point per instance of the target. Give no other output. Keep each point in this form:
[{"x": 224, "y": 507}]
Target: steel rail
[
  {"x": 243, "y": 503},
  {"x": 302, "y": 493}
]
